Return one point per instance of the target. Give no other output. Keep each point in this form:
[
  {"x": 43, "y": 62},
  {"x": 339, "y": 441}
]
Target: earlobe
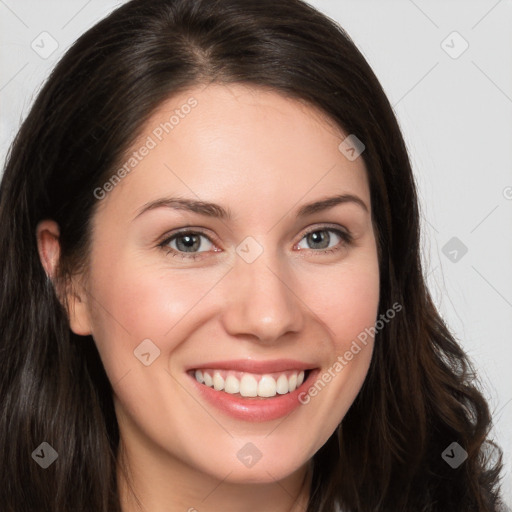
[
  {"x": 47, "y": 234},
  {"x": 79, "y": 321}
]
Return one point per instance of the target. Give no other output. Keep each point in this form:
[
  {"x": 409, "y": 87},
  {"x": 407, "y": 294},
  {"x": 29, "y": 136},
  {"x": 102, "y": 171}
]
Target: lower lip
[{"x": 255, "y": 409}]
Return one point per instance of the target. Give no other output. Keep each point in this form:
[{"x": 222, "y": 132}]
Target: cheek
[
  {"x": 346, "y": 299},
  {"x": 132, "y": 303}
]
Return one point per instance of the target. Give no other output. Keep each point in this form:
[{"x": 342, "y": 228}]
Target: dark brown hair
[{"x": 419, "y": 395}]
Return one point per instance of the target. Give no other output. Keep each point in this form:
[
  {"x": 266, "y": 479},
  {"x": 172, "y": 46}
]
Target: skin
[{"x": 262, "y": 156}]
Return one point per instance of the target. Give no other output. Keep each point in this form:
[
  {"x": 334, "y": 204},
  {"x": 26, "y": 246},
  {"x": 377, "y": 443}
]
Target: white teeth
[
  {"x": 232, "y": 385},
  {"x": 292, "y": 382},
  {"x": 248, "y": 386},
  {"x": 208, "y": 379},
  {"x": 218, "y": 381},
  {"x": 282, "y": 385},
  {"x": 267, "y": 386}
]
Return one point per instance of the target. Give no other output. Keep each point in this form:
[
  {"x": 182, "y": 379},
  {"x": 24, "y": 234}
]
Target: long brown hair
[{"x": 419, "y": 395}]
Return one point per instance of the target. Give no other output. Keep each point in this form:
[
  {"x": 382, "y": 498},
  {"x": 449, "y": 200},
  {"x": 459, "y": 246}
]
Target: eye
[
  {"x": 187, "y": 242},
  {"x": 323, "y": 242}
]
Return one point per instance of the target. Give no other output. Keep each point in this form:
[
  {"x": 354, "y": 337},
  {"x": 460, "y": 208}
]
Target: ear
[{"x": 48, "y": 245}]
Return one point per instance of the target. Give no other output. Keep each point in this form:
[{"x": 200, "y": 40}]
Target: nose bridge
[{"x": 261, "y": 301}]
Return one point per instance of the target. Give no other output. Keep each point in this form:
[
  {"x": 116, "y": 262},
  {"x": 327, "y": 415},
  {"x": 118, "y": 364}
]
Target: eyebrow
[{"x": 217, "y": 211}]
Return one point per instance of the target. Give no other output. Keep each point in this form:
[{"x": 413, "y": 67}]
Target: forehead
[{"x": 241, "y": 145}]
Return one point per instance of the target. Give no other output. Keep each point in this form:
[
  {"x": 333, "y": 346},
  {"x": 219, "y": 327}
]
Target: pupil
[
  {"x": 190, "y": 242},
  {"x": 319, "y": 237}
]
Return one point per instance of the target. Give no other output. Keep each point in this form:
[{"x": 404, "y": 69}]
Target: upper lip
[{"x": 252, "y": 366}]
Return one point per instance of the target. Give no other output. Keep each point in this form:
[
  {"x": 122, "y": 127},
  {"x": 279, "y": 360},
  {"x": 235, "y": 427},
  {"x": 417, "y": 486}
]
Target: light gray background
[{"x": 456, "y": 116}]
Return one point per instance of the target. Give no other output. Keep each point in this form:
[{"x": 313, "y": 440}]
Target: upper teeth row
[{"x": 248, "y": 385}]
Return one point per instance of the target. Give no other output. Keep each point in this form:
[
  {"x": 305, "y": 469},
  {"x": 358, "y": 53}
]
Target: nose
[{"x": 260, "y": 299}]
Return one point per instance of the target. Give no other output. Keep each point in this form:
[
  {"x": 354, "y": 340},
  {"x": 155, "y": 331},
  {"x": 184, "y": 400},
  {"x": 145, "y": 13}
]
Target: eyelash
[{"x": 346, "y": 240}]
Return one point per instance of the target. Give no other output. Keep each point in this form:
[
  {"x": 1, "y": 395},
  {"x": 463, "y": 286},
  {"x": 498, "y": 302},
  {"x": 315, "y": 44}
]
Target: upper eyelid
[{"x": 200, "y": 231}]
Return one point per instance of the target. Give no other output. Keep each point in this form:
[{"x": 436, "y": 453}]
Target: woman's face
[{"x": 254, "y": 299}]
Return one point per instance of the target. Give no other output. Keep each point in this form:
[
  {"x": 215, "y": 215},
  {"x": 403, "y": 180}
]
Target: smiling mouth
[{"x": 251, "y": 385}]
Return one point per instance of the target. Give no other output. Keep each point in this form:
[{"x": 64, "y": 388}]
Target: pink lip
[
  {"x": 246, "y": 365},
  {"x": 254, "y": 409}
]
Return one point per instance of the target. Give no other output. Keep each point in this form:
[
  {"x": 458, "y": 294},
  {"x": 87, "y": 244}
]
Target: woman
[{"x": 173, "y": 337}]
